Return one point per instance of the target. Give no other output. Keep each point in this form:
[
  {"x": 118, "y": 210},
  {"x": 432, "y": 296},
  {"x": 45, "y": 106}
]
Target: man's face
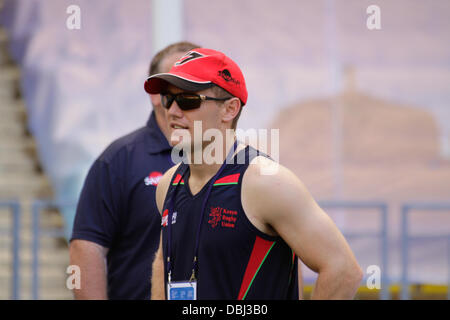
[
  {"x": 165, "y": 66},
  {"x": 181, "y": 122}
]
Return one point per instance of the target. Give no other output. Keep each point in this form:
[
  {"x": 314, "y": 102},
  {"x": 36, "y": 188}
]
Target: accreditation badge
[{"x": 182, "y": 290}]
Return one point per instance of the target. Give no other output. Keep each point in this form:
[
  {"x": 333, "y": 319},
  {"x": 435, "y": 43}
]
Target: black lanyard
[{"x": 202, "y": 214}]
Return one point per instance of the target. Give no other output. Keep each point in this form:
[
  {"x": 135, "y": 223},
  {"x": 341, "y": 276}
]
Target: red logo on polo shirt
[{"x": 153, "y": 178}]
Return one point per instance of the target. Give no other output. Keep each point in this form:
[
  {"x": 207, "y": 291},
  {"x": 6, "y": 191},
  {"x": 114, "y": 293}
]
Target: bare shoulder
[
  {"x": 268, "y": 188},
  {"x": 266, "y": 175},
  {"x": 163, "y": 186}
]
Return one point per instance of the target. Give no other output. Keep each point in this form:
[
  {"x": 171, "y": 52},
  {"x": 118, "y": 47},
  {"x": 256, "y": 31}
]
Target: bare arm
[
  {"x": 158, "y": 275},
  {"x": 300, "y": 281},
  {"x": 90, "y": 257},
  {"x": 282, "y": 203}
]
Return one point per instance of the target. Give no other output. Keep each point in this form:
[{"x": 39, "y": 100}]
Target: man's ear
[{"x": 231, "y": 109}]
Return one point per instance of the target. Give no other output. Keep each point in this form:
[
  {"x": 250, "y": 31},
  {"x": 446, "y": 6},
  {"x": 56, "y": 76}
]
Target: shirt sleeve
[{"x": 98, "y": 209}]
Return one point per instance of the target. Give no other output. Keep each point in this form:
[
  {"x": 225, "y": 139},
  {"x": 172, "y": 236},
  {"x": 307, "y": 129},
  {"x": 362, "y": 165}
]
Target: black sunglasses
[{"x": 186, "y": 101}]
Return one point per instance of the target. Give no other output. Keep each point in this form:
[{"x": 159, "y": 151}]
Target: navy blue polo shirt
[{"x": 117, "y": 208}]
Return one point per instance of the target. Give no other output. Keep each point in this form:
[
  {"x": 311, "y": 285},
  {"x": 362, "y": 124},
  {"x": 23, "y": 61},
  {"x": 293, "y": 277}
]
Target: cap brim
[{"x": 157, "y": 83}]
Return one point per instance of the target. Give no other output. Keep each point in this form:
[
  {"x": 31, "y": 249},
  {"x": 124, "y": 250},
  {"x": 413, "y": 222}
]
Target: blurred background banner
[{"x": 364, "y": 114}]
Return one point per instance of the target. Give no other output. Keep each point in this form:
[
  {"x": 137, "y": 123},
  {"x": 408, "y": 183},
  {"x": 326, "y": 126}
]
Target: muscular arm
[
  {"x": 281, "y": 203},
  {"x": 91, "y": 258}
]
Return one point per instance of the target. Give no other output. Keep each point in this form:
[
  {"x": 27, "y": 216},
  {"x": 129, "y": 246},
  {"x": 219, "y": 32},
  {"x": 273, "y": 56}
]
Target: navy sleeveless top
[{"x": 235, "y": 259}]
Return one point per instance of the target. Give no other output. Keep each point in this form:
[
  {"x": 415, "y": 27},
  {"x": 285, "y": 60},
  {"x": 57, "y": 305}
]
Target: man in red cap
[{"x": 228, "y": 231}]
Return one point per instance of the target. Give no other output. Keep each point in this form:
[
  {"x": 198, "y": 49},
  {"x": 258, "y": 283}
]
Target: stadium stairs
[{"x": 22, "y": 179}]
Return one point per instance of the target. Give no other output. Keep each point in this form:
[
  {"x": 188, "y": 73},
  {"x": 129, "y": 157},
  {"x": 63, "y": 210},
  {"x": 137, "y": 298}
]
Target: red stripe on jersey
[
  {"x": 177, "y": 179},
  {"x": 232, "y": 178},
  {"x": 261, "y": 249}
]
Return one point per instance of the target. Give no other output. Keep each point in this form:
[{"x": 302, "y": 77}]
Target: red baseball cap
[{"x": 199, "y": 69}]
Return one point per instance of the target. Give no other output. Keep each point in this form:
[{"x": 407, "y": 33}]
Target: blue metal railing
[
  {"x": 406, "y": 239},
  {"x": 37, "y": 232},
  {"x": 39, "y": 205},
  {"x": 15, "y": 208},
  {"x": 382, "y": 208}
]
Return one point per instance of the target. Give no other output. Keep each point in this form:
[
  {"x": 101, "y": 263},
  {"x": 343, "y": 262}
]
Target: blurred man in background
[{"x": 117, "y": 224}]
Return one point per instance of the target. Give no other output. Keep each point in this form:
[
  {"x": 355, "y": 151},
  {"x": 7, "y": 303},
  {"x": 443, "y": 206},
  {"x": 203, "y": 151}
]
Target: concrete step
[
  {"x": 25, "y": 193},
  {"x": 47, "y": 284},
  {"x": 19, "y": 142},
  {"x": 53, "y": 262},
  {"x": 12, "y": 103},
  {"x": 9, "y": 73},
  {"x": 52, "y": 276},
  {"x": 9, "y": 92},
  {"x": 18, "y": 170},
  {"x": 52, "y": 273},
  {"x": 47, "y": 258},
  {"x": 52, "y": 286},
  {"x": 11, "y": 130},
  {"x": 4, "y": 55},
  {"x": 16, "y": 162},
  {"x": 24, "y": 142},
  {"x": 20, "y": 179},
  {"x": 48, "y": 224},
  {"x": 18, "y": 145},
  {"x": 3, "y": 35},
  {"x": 9, "y": 80},
  {"x": 35, "y": 181},
  {"x": 46, "y": 269},
  {"x": 12, "y": 110},
  {"x": 26, "y": 188},
  {"x": 48, "y": 294},
  {"x": 48, "y": 243},
  {"x": 10, "y": 119},
  {"x": 9, "y": 116},
  {"x": 14, "y": 154}
]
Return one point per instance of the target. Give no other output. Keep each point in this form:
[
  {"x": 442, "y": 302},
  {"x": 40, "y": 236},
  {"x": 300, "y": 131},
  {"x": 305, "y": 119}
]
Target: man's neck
[{"x": 204, "y": 171}]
